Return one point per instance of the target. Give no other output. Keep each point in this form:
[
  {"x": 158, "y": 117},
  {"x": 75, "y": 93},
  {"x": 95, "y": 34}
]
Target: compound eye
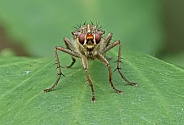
[
  {"x": 81, "y": 38},
  {"x": 97, "y": 38}
]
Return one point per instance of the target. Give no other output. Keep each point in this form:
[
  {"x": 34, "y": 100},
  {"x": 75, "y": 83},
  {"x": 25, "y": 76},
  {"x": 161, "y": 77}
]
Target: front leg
[
  {"x": 85, "y": 66},
  {"x": 70, "y": 52}
]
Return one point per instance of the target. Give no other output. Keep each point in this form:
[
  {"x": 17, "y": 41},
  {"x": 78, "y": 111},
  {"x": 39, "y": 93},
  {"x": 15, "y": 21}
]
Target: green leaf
[{"x": 158, "y": 99}]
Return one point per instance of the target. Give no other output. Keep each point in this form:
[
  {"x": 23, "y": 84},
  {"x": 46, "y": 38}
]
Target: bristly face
[{"x": 88, "y": 40}]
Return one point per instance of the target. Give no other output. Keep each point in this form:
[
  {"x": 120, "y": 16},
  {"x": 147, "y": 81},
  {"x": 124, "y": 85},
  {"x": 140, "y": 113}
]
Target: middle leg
[
  {"x": 119, "y": 60},
  {"x": 102, "y": 59}
]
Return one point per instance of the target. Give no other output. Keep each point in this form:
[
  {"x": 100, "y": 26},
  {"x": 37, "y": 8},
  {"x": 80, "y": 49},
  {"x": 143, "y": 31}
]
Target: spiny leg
[
  {"x": 102, "y": 59},
  {"x": 119, "y": 67},
  {"x": 85, "y": 65},
  {"x": 58, "y": 64},
  {"x": 68, "y": 43},
  {"x": 119, "y": 59},
  {"x": 59, "y": 72}
]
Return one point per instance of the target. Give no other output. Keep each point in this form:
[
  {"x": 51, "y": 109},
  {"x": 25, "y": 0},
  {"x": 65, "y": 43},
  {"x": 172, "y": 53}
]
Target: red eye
[
  {"x": 97, "y": 38},
  {"x": 81, "y": 38}
]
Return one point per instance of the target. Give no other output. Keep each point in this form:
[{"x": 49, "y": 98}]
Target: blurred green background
[{"x": 35, "y": 27}]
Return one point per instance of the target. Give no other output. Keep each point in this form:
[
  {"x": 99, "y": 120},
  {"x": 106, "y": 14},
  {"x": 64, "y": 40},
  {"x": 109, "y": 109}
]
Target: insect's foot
[
  {"x": 47, "y": 90},
  {"x": 120, "y": 92},
  {"x": 133, "y": 84},
  {"x": 67, "y": 66},
  {"x": 93, "y": 99}
]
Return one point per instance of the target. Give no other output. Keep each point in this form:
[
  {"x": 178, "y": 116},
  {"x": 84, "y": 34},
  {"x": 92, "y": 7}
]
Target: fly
[{"x": 88, "y": 43}]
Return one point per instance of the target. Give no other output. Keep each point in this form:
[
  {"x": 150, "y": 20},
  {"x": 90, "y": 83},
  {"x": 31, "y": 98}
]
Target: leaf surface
[{"x": 158, "y": 99}]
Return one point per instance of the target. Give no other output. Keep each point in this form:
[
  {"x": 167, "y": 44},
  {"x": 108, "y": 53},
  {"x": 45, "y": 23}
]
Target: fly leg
[
  {"x": 107, "y": 39},
  {"x": 119, "y": 59},
  {"x": 69, "y": 44},
  {"x": 85, "y": 65},
  {"x": 70, "y": 52},
  {"x": 103, "y": 60},
  {"x": 119, "y": 67}
]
